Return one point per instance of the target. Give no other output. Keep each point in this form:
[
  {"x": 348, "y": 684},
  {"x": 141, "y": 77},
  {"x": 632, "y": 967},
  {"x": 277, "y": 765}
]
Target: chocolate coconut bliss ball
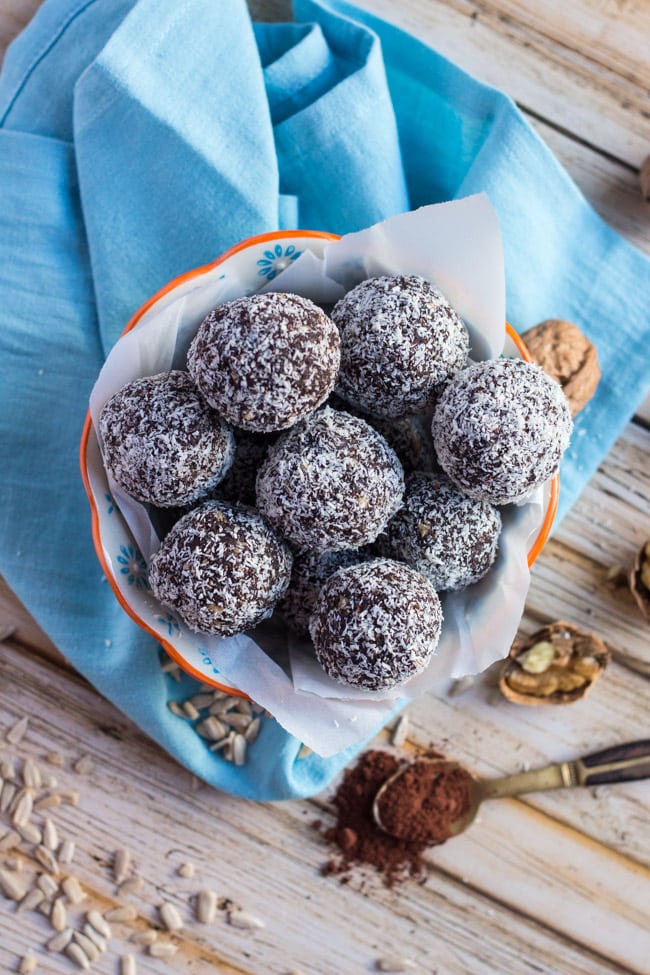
[
  {"x": 265, "y": 361},
  {"x": 375, "y": 625},
  {"x": 500, "y": 429},
  {"x": 450, "y": 538},
  {"x": 162, "y": 443},
  {"x": 400, "y": 342},
  {"x": 330, "y": 483},
  {"x": 221, "y": 568}
]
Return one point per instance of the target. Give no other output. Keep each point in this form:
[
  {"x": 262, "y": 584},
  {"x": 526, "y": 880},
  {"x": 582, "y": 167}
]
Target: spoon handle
[{"x": 621, "y": 763}]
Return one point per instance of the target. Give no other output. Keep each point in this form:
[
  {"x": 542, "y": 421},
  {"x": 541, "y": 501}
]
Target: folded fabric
[{"x": 138, "y": 140}]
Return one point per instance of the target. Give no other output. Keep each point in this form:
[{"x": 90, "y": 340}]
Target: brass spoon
[{"x": 621, "y": 763}]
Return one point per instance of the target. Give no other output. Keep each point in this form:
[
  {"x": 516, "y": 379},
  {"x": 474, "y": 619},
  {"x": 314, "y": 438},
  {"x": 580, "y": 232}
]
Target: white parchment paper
[{"x": 457, "y": 246}]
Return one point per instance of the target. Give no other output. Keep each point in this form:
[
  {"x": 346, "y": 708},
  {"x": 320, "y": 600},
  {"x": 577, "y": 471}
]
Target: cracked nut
[
  {"x": 640, "y": 579},
  {"x": 568, "y": 357},
  {"x": 558, "y": 664}
]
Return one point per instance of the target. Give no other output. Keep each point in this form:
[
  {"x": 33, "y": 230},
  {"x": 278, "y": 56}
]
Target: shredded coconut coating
[
  {"x": 265, "y": 361},
  {"x": 221, "y": 568},
  {"x": 500, "y": 429},
  {"x": 450, "y": 538},
  {"x": 309, "y": 572},
  {"x": 376, "y": 625},
  {"x": 162, "y": 443},
  {"x": 400, "y": 341},
  {"x": 330, "y": 483}
]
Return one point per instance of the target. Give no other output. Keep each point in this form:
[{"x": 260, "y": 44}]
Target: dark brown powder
[{"x": 422, "y": 805}]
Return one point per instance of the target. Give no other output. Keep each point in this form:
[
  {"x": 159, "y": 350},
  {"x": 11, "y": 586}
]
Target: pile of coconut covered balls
[{"x": 341, "y": 470}]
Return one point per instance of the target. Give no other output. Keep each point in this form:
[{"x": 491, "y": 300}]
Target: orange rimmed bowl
[{"x": 249, "y": 265}]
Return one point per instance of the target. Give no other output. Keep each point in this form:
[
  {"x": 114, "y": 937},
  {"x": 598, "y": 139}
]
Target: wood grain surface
[{"x": 556, "y": 882}]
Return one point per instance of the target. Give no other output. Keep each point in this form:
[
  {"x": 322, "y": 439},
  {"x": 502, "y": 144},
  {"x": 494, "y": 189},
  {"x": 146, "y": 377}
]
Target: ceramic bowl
[{"x": 252, "y": 264}]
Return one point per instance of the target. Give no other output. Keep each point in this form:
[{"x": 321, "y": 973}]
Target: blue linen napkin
[{"x": 140, "y": 139}]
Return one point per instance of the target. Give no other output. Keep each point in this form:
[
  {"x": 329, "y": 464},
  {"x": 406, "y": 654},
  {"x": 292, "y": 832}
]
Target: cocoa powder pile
[{"x": 419, "y": 810}]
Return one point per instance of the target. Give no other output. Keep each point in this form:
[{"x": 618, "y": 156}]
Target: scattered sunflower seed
[
  {"x": 234, "y": 719},
  {"x": 31, "y": 833},
  {"x": 127, "y": 965},
  {"x": 70, "y": 797},
  {"x": 89, "y": 948},
  {"x": 190, "y": 710},
  {"x": 206, "y": 906},
  {"x": 49, "y": 887},
  {"x": 391, "y": 963},
  {"x": 253, "y": 730},
  {"x": 32, "y": 774},
  {"x": 186, "y": 870},
  {"x": 31, "y": 900},
  {"x": 27, "y": 964},
  {"x": 47, "y": 802},
  {"x": 162, "y": 949},
  {"x": 55, "y": 758},
  {"x": 100, "y": 942},
  {"x": 9, "y": 841},
  {"x": 12, "y": 886},
  {"x": 400, "y": 731},
  {"x": 211, "y": 728},
  {"x": 46, "y": 858},
  {"x": 7, "y": 771},
  {"x": 176, "y": 709},
  {"x": 132, "y": 886},
  {"x": 77, "y": 955},
  {"x": 60, "y": 941},
  {"x": 144, "y": 938},
  {"x": 84, "y": 765},
  {"x": 99, "y": 923},
  {"x": 122, "y": 914},
  {"x": 66, "y": 851},
  {"x": 170, "y": 917},
  {"x": 244, "y": 920},
  {"x": 50, "y": 835},
  {"x": 7, "y": 795},
  {"x": 16, "y": 734},
  {"x": 59, "y": 915},
  {"x": 121, "y": 864},
  {"x": 73, "y": 890},
  {"x": 201, "y": 701},
  {"x": 23, "y": 807},
  {"x": 239, "y": 745}
]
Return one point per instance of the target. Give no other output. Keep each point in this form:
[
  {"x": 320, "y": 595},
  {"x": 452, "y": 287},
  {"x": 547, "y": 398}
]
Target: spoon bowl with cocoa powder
[{"x": 431, "y": 799}]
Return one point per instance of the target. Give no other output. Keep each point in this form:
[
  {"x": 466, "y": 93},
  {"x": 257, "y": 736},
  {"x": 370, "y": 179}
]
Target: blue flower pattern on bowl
[
  {"x": 277, "y": 260},
  {"x": 172, "y": 625},
  {"x": 133, "y": 566}
]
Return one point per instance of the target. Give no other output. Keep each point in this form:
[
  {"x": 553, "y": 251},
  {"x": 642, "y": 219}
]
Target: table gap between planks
[{"x": 552, "y": 883}]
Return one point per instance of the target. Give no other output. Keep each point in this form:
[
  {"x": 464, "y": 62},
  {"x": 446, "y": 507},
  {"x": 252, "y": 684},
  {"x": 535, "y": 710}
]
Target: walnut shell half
[
  {"x": 558, "y": 664},
  {"x": 640, "y": 579},
  {"x": 567, "y": 356}
]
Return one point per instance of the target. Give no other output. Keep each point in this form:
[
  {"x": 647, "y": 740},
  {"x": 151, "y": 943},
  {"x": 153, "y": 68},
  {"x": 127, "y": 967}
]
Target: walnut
[
  {"x": 568, "y": 356},
  {"x": 556, "y": 665},
  {"x": 640, "y": 579}
]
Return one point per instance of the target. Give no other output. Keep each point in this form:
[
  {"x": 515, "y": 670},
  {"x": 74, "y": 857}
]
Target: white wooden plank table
[{"x": 550, "y": 883}]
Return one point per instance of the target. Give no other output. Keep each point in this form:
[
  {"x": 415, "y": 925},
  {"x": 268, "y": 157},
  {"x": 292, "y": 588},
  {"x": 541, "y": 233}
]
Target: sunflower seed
[
  {"x": 77, "y": 955},
  {"x": 6, "y": 630},
  {"x": 190, "y": 710},
  {"x": 50, "y": 835},
  {"x": 32, "y": 774},
  {"x": 186, "y": 870},
  {"x": 100, "y": 943},
  {"x": 162, "y": 949},
  {"x": 31, "y": 833},
  {"x": 239, "y": 745},
  {"x": 121, "y": 864},
  {"x": 84, "y": 765},
  {"x": 66, "y": 851},
  {"x": 27, "y": 964},
  {"x": 226, "y": 703},
  {"x": 15, "y": 734},
  {"x": 244, "y": 920},
  {"x": 144, "y": 938},
  {"x": 59, "y": 916},
  {"x": 392, "y": 963},
  {"x": 23, "y": 807},
  {"x": 89, "y": 948},
  {"x": 7, "y": 771},
  {"x": 45, "y": 907},
  {"x": 99, "y": 923},
  {"x": 46, "y": 858},
  {"x": 55, "y": 758},
  {"x": 234, "y": 719},
  {"x": 9, "y": 841},
  {"x": 12, "y": 886},
  {"x": 253, "y": 730},
  {"x": 45, "y": 883},
  {"x": 226, "y": 740},
  {"x": 211, "y": 728},
  {"x": 127, "y": 965},
  {"x": 47, "y": 802},
  {"x": 121, "y": 914},
  {"x": 7, "y": 795},
  {"x": 170, "y": 917},
  {"x": 201, "y": 701},
  {"x": 132, "y": 886},
  {"x": 176, "y": 709},
  {"x": 73, "y": 890},
  {"x": 400, "y": 731},
  {"x": 206, "y": 906},
  {"x": 305, "y": 751},
  {"x": 70, "y": 797},
  {"x": 60, "y": 941},
  {"x": 31, "y": 900}
]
